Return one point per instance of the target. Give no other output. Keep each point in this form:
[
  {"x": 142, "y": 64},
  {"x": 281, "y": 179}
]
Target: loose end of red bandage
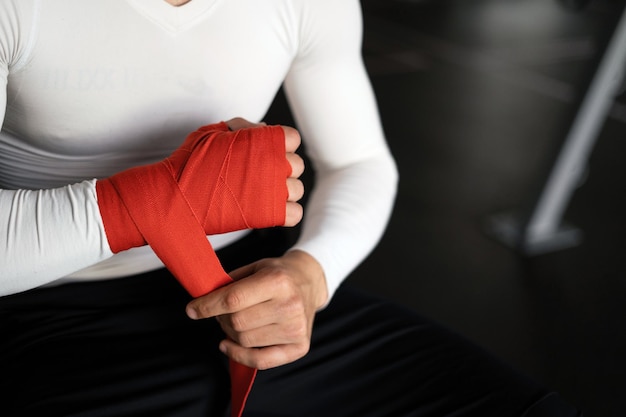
[{"x": 242, "y": 377}]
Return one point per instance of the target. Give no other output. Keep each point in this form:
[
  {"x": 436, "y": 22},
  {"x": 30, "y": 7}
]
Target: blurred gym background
[{"x": 508, "y": 122}]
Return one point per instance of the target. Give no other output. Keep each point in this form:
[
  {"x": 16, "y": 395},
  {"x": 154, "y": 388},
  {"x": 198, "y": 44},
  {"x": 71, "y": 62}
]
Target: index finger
[{"x": 229, "y": 299}]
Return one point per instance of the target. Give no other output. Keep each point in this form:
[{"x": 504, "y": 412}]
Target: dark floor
[{"x": 475, "y": 95}]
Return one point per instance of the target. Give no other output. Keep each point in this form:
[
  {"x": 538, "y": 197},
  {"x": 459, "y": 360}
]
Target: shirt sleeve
[
  {"x": 44, "y": 234},
  {"x": 335, "y": 109}
]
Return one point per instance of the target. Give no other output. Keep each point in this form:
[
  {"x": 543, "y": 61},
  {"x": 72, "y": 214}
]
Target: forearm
[
  {"x": 44, "y": 234},
  {"x": 347, "y": 214},
  {"x": 47, "y": 234},
  {"x": 356, "y": 175}
]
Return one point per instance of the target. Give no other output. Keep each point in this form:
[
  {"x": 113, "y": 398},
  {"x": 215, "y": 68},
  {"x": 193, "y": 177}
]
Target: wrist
[
  {"x": 314, "y": 276},
  {"x": 120, "y": 229}
]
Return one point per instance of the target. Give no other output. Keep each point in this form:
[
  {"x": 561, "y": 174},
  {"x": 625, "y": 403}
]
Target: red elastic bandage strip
[{"x": 174, "y": 204}]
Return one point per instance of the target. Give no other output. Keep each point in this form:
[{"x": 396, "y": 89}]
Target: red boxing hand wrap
[
  {"x": 217, "y": 181},
  {"x": 231, "y": 180}
]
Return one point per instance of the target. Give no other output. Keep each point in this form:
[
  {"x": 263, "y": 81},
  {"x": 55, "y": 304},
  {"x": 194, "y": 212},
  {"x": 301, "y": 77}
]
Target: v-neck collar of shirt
[{"x": 173, "y": 19}]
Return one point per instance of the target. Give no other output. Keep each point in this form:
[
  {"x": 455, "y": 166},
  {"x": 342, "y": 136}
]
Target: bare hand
[
  {"x": 294, "y": 185},
  {"x": 268, "y": 312}
]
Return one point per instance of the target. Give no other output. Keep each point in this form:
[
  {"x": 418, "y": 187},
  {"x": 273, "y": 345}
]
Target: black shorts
[{"x": 125, "y": 347}]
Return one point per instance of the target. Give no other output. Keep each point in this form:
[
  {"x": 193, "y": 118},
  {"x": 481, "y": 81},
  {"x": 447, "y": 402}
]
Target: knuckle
[
  {"x": 276, "y": 279},
  {"x": 283, "y": 283},
  {"x": 297, "y": 331},
  {"x": 238, "y": 322},
  {"x": 292, "y": 307},
  {"x": 204, "y": 309},
  {"x": 245, "y": 340},
  {"x": 233, "y": 300}
]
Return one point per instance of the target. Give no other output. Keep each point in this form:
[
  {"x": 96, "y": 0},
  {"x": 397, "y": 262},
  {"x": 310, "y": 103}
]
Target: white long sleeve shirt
[{"x": 89, "y": 88}]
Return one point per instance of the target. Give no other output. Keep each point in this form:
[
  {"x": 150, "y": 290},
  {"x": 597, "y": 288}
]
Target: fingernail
[{"x": 222, "y": 347}]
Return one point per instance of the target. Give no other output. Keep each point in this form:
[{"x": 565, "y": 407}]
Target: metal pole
[{"x": 544, "y": 229}]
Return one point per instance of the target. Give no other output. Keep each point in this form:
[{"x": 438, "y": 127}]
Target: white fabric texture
[{"x": 88, "y": 89}]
